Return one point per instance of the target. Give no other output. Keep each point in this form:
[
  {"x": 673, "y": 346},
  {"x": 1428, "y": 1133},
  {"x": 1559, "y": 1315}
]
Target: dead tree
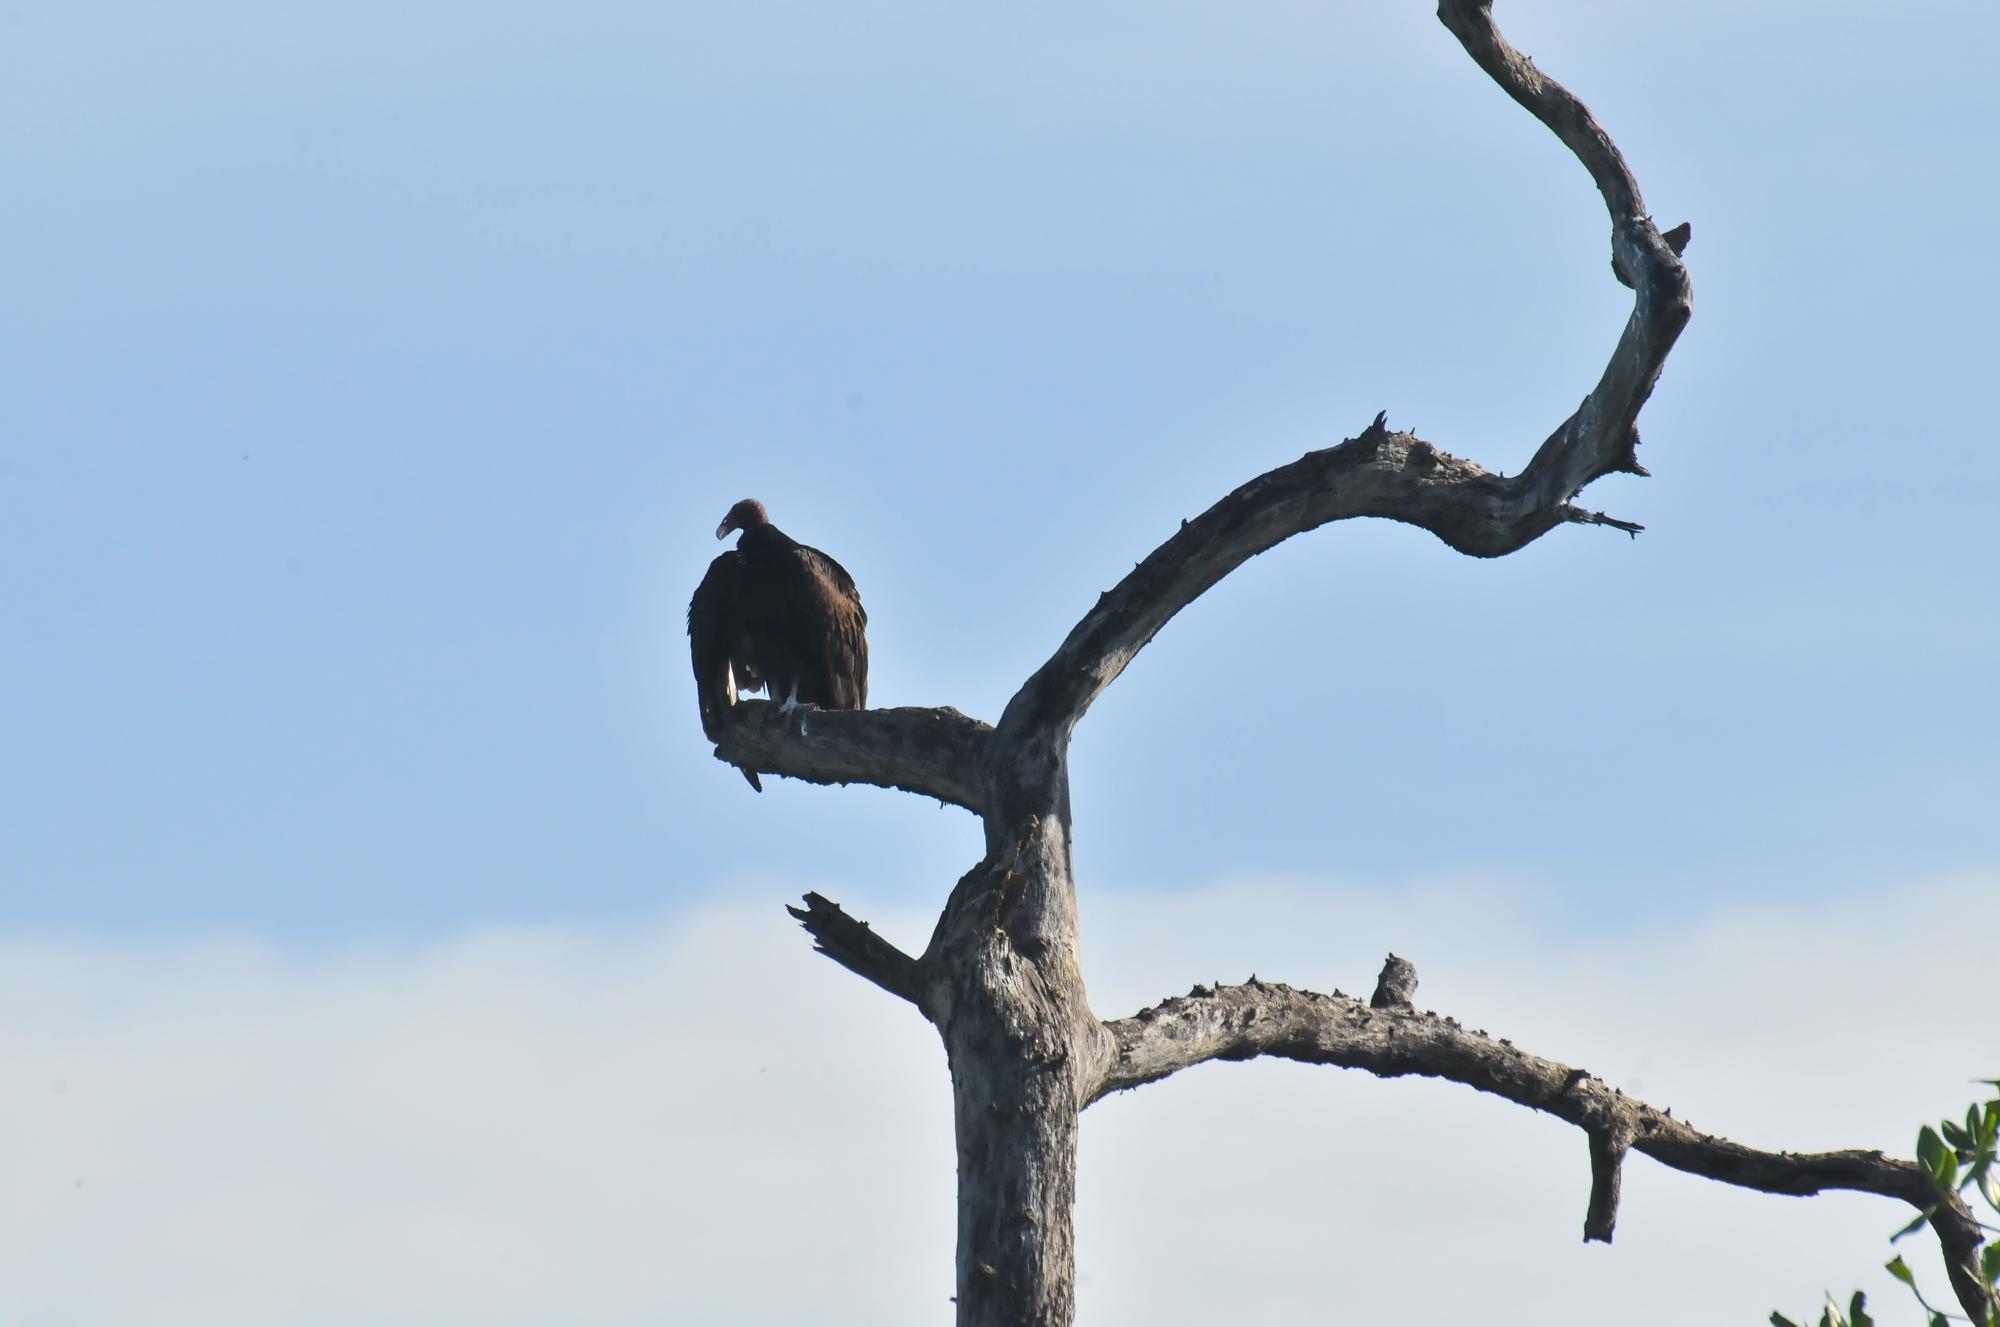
[{"x": 1002, "y": 976}]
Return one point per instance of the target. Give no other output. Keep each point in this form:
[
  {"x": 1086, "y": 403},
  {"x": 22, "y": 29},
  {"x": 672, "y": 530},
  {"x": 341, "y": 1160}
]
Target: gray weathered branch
[
  {"x": 1263, "y": 1018},
  {"x": 935, "y": 753},
  {"x": 1379, "y": 473},
  {"x": 1607, "y": 1172},
  {"x": 1398, "y": 475},
  {"x": 854, "y": 945},
  {"x": 1602, "y": 435}
]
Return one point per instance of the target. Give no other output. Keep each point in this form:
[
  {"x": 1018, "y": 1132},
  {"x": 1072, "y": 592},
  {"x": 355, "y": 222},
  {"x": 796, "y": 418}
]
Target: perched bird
[{"x": 776, "y": 614}]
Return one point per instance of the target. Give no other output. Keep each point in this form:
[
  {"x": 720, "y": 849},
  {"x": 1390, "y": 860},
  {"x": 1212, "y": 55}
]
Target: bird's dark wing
[
  {"x": 719, "y": 646},
  {"x": 715, "y": 634},
  {"x": 835, "y": 654}
]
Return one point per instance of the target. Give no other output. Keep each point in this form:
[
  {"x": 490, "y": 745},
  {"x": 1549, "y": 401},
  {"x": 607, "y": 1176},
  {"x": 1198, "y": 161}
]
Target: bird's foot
[{"x": 790, "y": 706}]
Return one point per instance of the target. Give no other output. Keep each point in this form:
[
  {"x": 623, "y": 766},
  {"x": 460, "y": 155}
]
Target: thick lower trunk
[
  {"x": 1017, "y": 1127},
  {"x": 1006, "y": 993}
]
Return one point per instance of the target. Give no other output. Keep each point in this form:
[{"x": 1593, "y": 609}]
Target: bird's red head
[{"x": 745, "y": 515}]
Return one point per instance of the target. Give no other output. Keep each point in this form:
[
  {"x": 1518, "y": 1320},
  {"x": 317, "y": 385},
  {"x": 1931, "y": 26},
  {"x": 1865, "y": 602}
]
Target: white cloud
[{"x": 700, "y": 1122}]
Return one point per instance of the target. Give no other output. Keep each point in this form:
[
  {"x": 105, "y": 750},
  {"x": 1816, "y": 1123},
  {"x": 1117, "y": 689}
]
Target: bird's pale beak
[{"x": 722, "y": 530}]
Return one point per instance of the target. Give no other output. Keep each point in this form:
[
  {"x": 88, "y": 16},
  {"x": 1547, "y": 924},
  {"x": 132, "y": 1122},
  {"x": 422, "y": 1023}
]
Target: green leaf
[
  {"x": 1780, "y": 1320},
  {"x": 1914, "y": 1226},
  {"x": 1989, "y": 1185},
  {"x": 1939, "y": 1160},
  {"x": 1901, "y": 1271},
  {"x": 1857, "y": 1313},
  {"x": 1989, "y": 1263},
  {"x": 1959, "y": 1139}
]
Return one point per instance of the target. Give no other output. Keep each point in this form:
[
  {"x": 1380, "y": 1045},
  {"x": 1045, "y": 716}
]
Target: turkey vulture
[{"x": 776, "y": 614}]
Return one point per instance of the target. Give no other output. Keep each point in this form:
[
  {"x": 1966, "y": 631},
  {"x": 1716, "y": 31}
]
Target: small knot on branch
[
  {"x": 1675, "y": 240},
  {"x": 1627, "y": 457},
  {"x": 1369, "y": 441},
  {"x": 1396, "y": 985}
]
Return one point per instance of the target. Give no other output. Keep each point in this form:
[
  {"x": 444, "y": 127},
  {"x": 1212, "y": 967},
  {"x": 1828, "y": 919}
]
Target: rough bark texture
[
  {"x": 1003, "y": 984},
  {"x": 1002, "y": 976},
  {"x": 1390, "y": 1041},
  {"x": 934, "y": 753}
]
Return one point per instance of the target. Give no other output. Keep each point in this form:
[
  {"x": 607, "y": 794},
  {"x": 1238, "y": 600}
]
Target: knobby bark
[
  {"x": 1390, "y": 1038},
  {"x": 931, "y": 752},
  {"x": 1002, "y": 976}
]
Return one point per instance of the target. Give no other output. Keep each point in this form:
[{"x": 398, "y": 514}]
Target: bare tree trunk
[
  {"x": 1017, "y": 1125},
  {"x": 1006, "y": 991}
]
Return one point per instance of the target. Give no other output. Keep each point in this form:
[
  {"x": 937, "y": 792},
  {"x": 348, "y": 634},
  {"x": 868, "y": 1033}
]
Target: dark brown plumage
[{"x": 773, "y": 613}]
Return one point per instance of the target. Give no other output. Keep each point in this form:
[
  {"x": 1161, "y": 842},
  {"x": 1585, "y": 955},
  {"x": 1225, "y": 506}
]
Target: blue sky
[{"x": 373, "y": 377}]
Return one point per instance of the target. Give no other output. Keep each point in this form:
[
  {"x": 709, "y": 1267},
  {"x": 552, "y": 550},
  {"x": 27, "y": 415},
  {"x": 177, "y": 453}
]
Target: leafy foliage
[
  {"x": 1959, "y": 1158},
  {"x": 1831, "y": 1316}
]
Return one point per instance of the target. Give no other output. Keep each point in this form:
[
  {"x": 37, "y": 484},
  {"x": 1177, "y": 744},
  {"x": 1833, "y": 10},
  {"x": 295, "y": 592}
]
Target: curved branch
[
  {"x": 932, "y": 752},
  {"x": 1400, "y": 476},
  {"x": 1471, "y": 21},
  {"x": 1263, "y": 1018},
  {"x": 1602, "y": 435}
]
